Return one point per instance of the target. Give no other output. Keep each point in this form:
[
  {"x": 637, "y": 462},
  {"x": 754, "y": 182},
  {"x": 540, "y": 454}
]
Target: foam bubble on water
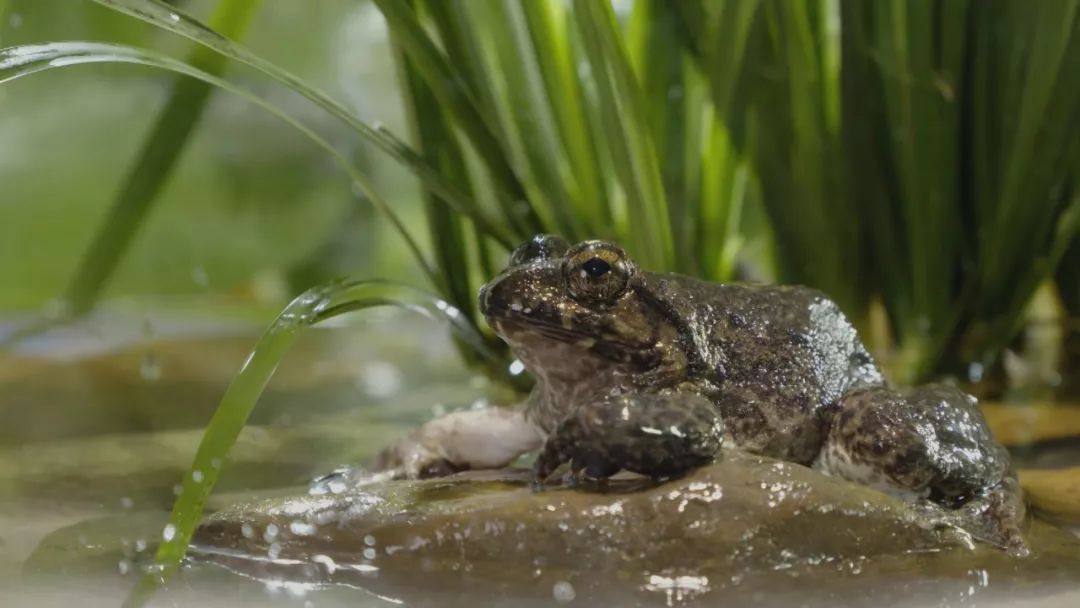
[
  {"x": 563, "y": 592},
  {"x": 301, "y": 528},
  {"x": 271, "y": 532}
]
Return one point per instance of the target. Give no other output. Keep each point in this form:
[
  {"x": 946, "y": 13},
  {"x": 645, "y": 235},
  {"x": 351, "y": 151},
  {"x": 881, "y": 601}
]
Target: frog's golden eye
[{"x": 597, "y": 271}]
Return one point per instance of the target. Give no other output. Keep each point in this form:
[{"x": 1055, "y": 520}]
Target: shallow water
[{"x": 97, "y": 432}]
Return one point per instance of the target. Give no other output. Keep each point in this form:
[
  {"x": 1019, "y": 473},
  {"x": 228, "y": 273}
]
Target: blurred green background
[{"x": 251, "y": 201}]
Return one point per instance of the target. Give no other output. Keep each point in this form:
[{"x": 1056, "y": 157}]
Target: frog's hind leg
[
  {"x": 928, "y": 444},
  {"x": 659, "y": 435}
]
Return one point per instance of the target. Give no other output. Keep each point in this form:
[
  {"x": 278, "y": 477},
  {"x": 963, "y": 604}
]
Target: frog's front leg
[
  {"x": 659, "y": 435},
  {"x": 486, "y": 438},
  {"x": 929, "y": 443}
]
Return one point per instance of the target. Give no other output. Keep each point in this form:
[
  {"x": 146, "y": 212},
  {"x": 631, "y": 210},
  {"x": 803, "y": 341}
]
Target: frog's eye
[{"x": 597, "y": 271}]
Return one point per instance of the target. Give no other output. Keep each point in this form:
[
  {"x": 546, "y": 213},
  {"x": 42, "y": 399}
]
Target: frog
[{"x": 656, "y": 374}]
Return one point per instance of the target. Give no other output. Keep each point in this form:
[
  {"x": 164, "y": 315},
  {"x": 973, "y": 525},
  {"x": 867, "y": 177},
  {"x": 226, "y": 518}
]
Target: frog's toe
[{"x": 549, "y": 459}]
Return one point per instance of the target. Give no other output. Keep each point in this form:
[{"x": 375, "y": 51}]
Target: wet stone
[{"x": 745, "y": 527}]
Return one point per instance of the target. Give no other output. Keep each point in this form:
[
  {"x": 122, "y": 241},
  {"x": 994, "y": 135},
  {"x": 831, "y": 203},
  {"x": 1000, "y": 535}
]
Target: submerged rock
[{"x": 745, "y": 529}]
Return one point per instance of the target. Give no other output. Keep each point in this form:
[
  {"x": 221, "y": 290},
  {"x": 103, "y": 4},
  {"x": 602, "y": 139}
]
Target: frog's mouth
[
  {"x": 512, "y": 326},
  {"x": 526, "y": 332}
]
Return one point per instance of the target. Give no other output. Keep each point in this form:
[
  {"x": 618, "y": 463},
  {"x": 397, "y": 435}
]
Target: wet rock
[{"x": 742, "y": 530}]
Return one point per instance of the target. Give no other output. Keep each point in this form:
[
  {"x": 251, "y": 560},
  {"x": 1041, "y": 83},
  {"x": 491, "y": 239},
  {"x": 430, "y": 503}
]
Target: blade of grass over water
[
  {"x": 159, "y": 153},
  {"x": 169, "y": 18},
  {"x": 24, "y": 60},
  {"x": 315, "y": 305}
]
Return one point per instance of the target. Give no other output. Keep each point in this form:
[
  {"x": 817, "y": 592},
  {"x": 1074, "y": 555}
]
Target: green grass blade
[
  {"x": 626, "y": 126},
  {"x": 530, "y": 135},
  {"x": 20, "y": 61},
  {"x": 558, "y": 63},
  {"x": 171, "y": 19},
  {"x": 453, "y": 94},
  {"x": 160, "y": 151},
  {"x": 434, "y": 137},
  {"x": 315, "y": 305}
]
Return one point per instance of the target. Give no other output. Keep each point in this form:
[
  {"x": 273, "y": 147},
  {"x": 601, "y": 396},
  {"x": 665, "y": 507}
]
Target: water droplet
[
  {"x": 271, "y": 532},
  {"x": 168, "y": 533},
  {"x": 274, "y": 551},
  {"x": 124, "y": 566},
  {"x": 197, "y": 476},
  {"x": 381, "y": 380},
  {"x": 150, "y": 368},
  {"x": 178, "y": 489},
  {"x": 369, "y": 553},
  {"x": 126, "y": 502},
  {"x": 140, "y": 545},
  {"x": 174, "y": 17},
  {"x": 15, "y": 20},
  {"x": 200, "y": 277},
  {"x": 563, "y": 592},
  {"x": 247, "y": 530},
  {"x": 516, "y": 367},
  {"x": 369, "y": 540}
]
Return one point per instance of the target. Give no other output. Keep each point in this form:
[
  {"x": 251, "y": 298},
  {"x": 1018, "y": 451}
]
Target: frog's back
[{"x": 779, "y": 357}]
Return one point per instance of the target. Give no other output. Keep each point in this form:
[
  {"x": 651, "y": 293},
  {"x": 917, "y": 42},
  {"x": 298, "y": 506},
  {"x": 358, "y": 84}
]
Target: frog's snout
[{"x": 485, "y": 291}]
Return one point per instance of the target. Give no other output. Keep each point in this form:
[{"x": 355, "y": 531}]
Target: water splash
[{"x": 311, "y": 307}]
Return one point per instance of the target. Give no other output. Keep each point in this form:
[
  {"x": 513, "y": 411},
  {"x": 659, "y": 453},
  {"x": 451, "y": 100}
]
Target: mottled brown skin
[{"x": 654, "y": 372}]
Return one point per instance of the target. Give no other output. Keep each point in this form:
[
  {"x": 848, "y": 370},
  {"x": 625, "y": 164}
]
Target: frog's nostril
[{"x": 540, "y": 247}]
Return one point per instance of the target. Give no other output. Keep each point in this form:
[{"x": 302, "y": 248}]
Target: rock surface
[{"x": 744, "y": 530}]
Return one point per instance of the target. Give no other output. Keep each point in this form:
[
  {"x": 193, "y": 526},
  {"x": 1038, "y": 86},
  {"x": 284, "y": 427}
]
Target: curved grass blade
[
  {"x": 311, "y": 307},
  {"x": 171, "y": 19},
  {"x": 20, "y": 61},
  {"x": 155, "y": 162}
]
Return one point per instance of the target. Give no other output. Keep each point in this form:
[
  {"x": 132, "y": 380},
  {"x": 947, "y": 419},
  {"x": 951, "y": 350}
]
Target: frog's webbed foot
[
  {"x": 997, "y": 516},
  {"x": 659, "y": 435},
  {"x": 929, "y": 443}
]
